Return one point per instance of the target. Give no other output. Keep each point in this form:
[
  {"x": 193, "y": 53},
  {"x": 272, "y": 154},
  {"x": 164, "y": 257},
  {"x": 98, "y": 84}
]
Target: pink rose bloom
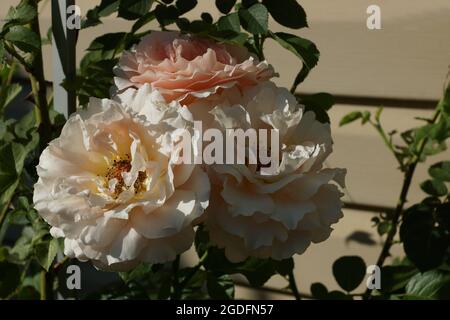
[{"x": 186, "y": 67}]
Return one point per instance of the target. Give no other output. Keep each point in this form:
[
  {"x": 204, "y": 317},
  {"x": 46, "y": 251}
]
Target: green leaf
[
  {"x": 2, "y": 53},
  {"x": 104, "y": 9},
  {"x": 441, "y": 130},
  {"x": 24, "y": 38},
  {"x": 432, "y": 284},
  {"x": 319, "y": 291},
  {"x": 26, "y": 125},
  {"x": 254, "y": 19},
  {"x": 142, "y": 270},
  {"x": 134, "y": 9},
  {"x": 434, "y": 187},
  {"x": 146, "y": 18},
  {"x": 248, "y": 3},
  {"x": 422, "y": 241},
  {"x": 257, "y": 271},
  {"x": 440, "y": 171},
  {"x": 350, "y": 117},
  {"x": 8, "y": 173},
  {"x": 349, "y": 272},
  {"x": 229, "y": 22},
  {"x": 444, "y": 103},
  {"x": 302, "y": 48},
  {"x": 10, "y": 92},
  {"x": 384, "y": 227},
  {"x": 166, "y": 14},
  {"x": 206, "y": 17},
  {"x": 220, "y": 288},
  {"x": 225, "y": 6},
  {"x": 3, "y": 130},
  {"x": 185, "y": 6},
  {"x": 288, "y": 13},
  {"x": 45, "y": 252},
  {"x": 9, "y": 278},
  {"x": 22, "y": 14},
  {"x": 365, "y": 117},
  {"x": 395, "y": 278},
  {"x": 319, "y": 103},
  {"x": 108, "y": 44},
  {"x": 284, "y": 267}
]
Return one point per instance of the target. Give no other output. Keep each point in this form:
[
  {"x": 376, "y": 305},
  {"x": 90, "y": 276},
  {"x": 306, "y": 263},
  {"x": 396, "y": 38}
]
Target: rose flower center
[{"x": 115, "y": 172}]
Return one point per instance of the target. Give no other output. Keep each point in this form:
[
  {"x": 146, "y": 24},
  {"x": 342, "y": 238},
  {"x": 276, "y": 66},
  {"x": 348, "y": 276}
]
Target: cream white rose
[
  {"x": 274, "y": 216},
  {"x": 111, "y": 184}
]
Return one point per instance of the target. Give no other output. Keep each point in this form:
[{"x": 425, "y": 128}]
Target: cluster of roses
[{"x": 111, "y": 185}]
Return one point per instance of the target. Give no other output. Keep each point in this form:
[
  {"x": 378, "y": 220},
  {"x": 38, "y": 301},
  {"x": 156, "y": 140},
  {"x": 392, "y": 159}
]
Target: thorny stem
[
  {"x": 387, "y": 142},
  {"x": 39, "y": 89},
  {"x": 293, "y": 285},
  {"x": 410, "y": 169}
]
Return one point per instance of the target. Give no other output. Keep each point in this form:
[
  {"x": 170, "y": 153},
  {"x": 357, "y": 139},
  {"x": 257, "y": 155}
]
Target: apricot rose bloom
[
  {"x": 274, "y": 216},
  {"x": 112, "y": 187},
  {"x": 186, "y": 67}
]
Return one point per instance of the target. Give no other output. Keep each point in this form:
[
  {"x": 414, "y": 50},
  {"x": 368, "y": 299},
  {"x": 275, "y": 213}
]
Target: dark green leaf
[
  {"x": 22, "y": 14},
  {"x": 440, "y": 171},
  {"x": 443, "y": 215},
  {"x": 319, "y": 103},
  {"x": 424, "y": 245},
  {"x": 248, "y": 3},
  {"x": 184, "y": 6},
  {"x": 166, "y": 14},
  {"x": 394, "y": 278},
  {"x": 284, "y": 267},
  {"x": 444, "y": 103},
  {"x": 26, "y": 125},
  {"x": 302, "y": 48},
  {"x": 257, "y": 271},
  {"x": 349, "y": 272},
  {"x": 134, "y": 9},
  {"x": 432, "y": 284},
  {"x": 254, "y": 19},
  {"x": 24, "y": 38},
  {"x": 229, "y": 22},
  {"x": 142, "y": 21},
  {"x": 225, "y": 6},
  {"x": 142, "y": 270},
  {"x": 183, "y": 24},
  {"x": 8, "y": 172},
  {"x": 45, "y": 252},
  {"x": 434, "y": 187},
  {"x": 104, "y": 9},
  {"x": 2, "y": 130},
  {"x": 220, "y": 288},
  {"x": 9, "y": 278},
  {"x": 352, "y": 116},
  {"x": 287, "y": 13},
  {"x": 384, "y": 227},
  {"x": 108, "y": 43},
  {"x": 200, "y": 26},
  {"x": 2, "y": 53},
  {"x": 319, "y": 291},
  {"x": 206, "y": 17}
]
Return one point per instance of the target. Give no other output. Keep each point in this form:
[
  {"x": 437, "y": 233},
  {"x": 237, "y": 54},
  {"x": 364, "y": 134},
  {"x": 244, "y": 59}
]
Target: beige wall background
[{"x": 407, "y": 60}]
